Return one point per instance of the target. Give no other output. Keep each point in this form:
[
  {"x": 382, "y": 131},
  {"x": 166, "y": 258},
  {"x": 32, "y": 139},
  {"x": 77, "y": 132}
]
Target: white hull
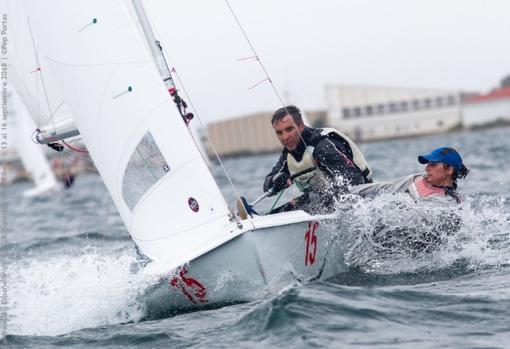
[
  {"x": 40, "y": 190},
  {"x": 258, "y": 261}
]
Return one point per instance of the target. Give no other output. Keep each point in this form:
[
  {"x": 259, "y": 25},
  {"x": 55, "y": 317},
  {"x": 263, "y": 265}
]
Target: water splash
[
  {"x": 61, "y": 294},
  {"x": 392, "y": 234}
]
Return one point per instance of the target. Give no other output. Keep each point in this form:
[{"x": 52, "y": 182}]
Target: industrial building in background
[
  {"x": 368, "y": 113},
  {"x": 378, "y": 113}
]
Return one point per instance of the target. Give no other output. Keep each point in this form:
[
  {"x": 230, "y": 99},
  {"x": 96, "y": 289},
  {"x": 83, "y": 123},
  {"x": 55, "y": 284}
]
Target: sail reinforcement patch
[{"x": 145, "y": 167}]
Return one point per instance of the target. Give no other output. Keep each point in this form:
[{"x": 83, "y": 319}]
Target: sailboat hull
[{"x": 259, "y": 261}]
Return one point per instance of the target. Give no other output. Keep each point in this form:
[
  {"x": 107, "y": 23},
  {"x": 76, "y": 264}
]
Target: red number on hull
[
  {"x": 192, "y": 289},
  {"x": 311, "y": 243}
]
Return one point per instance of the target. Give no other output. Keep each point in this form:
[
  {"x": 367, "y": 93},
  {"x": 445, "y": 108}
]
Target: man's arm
[{"x": 281, "y": 166}]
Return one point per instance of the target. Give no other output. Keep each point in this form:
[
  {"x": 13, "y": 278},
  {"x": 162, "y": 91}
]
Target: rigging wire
[
  {"x": 216, "y": 154},
  {"x": 39, "y": 70},
  {"x": 268, "y": 78},
  {"x": 202, "y": 124}
]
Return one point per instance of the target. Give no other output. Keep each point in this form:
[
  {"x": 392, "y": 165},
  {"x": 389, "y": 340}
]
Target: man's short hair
[{"x": 291, "y": 110}]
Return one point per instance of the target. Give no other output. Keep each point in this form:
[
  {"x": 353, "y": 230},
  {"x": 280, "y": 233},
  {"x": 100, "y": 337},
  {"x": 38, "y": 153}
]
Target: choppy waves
[
  {"x": 75, "y": 279},
  {"x": 424, "y": 238}
]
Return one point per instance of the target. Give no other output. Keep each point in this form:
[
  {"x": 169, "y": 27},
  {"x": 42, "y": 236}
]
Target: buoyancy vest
[
  {"x": 315, "y": 180},
  {"x": 421, "y": 189},
  {"x": 357, "y": 156}
]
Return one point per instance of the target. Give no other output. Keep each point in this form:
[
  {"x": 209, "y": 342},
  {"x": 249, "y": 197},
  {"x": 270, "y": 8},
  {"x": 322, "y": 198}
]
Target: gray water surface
[{"x": 74, "y": 279}]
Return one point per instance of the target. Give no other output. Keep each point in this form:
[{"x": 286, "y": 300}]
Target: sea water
[{"x": 74, "y": 279}]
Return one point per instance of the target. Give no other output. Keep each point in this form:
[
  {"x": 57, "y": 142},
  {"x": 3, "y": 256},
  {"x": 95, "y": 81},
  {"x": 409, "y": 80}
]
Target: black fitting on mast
[{"x": 181, "y": 106}]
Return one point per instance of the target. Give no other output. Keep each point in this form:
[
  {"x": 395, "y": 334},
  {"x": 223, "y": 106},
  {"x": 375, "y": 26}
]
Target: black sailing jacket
[{"x": 332, "y": 155}]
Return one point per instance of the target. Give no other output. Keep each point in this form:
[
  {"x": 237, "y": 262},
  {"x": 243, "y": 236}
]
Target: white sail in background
[
  {"x": 30, "y": 153},
  {"x": 30, "y": 77},
  {"x": 139, "y": 143}
]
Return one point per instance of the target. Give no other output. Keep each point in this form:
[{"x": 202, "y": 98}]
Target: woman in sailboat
[
  {"x": 443, "y": 168},
  {"x": 437, "y": 187},
  {"x": 321, "y": 162}
]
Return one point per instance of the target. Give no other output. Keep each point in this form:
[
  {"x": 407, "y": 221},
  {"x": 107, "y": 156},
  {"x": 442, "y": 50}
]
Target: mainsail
[
  {"x": 140, "y": 145},
  {"x": 36, "y": 87}
]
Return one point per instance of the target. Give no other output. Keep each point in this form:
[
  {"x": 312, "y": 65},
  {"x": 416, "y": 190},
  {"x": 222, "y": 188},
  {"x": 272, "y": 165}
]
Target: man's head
[
  {"x": 444, "y": 166},
  {"x": 288, "y": 124}
]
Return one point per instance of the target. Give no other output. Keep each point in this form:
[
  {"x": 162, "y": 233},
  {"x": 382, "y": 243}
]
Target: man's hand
[{"x": 279, "y": 182}]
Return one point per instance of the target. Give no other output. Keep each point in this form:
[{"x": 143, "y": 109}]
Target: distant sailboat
[
  {"x": 113, "y": 75},
  {"x": 30, "y": 153}
]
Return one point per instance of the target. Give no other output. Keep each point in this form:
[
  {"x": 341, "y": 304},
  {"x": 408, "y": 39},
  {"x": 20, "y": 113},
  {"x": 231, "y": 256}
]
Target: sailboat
[
  {"x": 31, "y": 154},
  {"x": 120, "y": 92}
]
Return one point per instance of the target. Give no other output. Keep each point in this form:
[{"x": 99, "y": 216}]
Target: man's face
[
  {"x": 439, "y": 174},
  {"x": 288, "y": 132}
]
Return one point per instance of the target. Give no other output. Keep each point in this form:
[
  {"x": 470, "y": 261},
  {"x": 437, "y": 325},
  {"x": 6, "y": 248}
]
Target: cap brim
[{"x": 422, "y": 159}]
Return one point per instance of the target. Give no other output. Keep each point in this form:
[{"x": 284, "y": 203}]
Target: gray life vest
[
  {"x": 313, "y": 180},
  {"x": 316, "y": 180},
  {"x": 357, "y": 156}
]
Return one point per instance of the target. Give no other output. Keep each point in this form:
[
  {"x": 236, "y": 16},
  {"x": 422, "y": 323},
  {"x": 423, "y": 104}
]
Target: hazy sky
[{"x": 457, "y": 44}]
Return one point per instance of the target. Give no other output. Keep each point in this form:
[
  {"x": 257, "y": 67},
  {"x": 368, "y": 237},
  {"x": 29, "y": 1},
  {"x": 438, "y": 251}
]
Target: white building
[
  {"x": 374, "y": 113},
  {"x": 486, "y": 109}
]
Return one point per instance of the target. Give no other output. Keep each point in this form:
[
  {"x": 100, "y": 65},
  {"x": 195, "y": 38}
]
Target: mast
[
  {"x": 164, "y": 71},
  {"x": 160, "y": 61}
]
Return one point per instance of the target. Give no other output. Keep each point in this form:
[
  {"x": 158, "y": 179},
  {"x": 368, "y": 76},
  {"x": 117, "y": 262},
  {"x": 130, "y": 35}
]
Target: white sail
[
  {"x": 29, "y": 74},
  {"x": 156, "y": 176},
  {"x": 30, "y": 153}
]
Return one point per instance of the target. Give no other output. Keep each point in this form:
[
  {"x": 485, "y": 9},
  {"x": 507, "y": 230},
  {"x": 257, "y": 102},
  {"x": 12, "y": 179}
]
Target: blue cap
[{"x": 445, "y": 155}]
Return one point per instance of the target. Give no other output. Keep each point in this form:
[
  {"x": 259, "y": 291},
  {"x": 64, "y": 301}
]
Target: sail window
[{"x": 145, "y": 167}]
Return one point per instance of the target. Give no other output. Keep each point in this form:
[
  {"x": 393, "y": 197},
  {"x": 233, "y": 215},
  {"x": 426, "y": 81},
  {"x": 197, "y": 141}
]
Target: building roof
[{"x": 502, "y": 93}]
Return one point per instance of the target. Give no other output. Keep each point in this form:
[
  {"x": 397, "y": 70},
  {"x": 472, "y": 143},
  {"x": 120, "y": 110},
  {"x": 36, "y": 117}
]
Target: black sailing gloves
[{"x": 277, "y": 183}]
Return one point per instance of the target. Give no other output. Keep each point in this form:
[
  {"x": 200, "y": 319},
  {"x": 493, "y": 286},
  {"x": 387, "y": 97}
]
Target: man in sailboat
[{"x": 321, "y": 162}]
